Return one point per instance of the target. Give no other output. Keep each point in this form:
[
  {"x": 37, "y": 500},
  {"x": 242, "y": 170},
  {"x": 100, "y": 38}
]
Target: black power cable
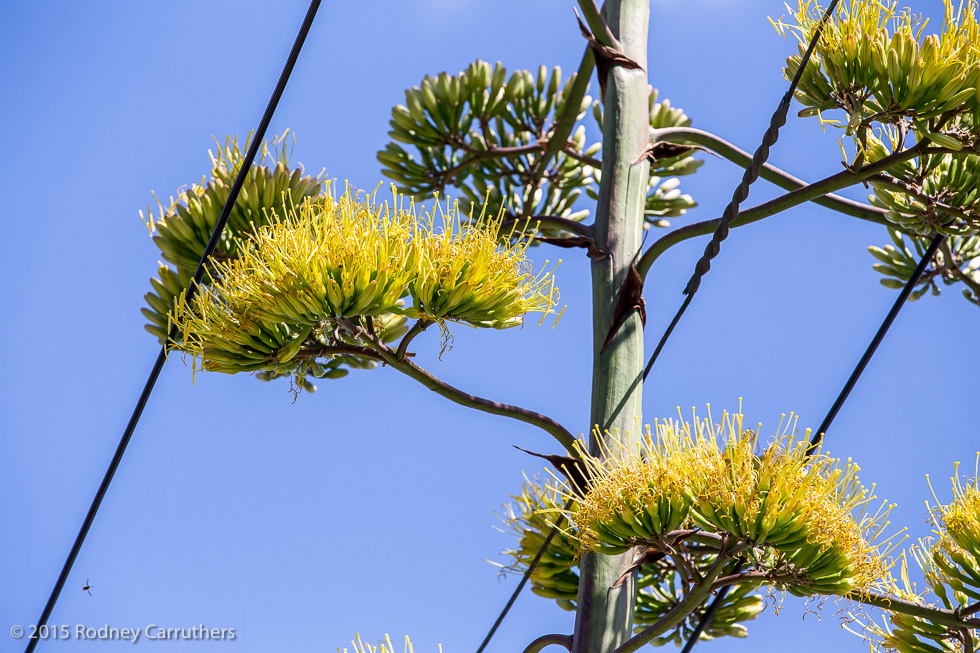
[
  {"x": 832, "y": 413},
  {"x": 191, "y": 289},
  {"x": 524, "y": 579},
  {"x": 742, "y": 191}
]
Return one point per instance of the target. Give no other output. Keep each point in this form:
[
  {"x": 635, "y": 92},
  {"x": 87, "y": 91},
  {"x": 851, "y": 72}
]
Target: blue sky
[{"x": 369, "y": 506}]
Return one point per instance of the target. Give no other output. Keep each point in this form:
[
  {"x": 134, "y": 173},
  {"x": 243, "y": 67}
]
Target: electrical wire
[
  {"x": 831, "y": 414},
  {"x": 524, "y": 578},
  {"x": 191, "y": 289},
  {"x": 742, "y": 191}
]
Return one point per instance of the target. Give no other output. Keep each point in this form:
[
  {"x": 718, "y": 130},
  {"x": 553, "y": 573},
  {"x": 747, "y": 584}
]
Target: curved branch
[
  {"x": 813, "y": 191},
  {"x": 462, "y": 398},
  {"x": 590, "y": 161},
  {"x": 940, "y": 616},
  {"x": 698, "y": 594},
  {"x": 338, "y": 350},
  {"x": 550, "y": 221},
  {"x": 769, "y": 172},
  {"x": 546, "y": 640}
]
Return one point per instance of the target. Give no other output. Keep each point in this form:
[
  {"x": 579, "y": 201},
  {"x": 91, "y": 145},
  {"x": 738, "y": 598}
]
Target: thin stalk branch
[
  {"x": 769, "y": 172},
  {"x": 967, "y": 638},
  {"x": 339, "y": 350},
  {"x": 970, "y": 610},
  {"x": 817, "y": 189},
  {"x": 940, "y": 616},
  {"x": 492, "y": 153},
  {"x": 420, "y": 325},
  {"x": 562, "y": 129},
  {"x": 460, "y": 397},
  {"x": 909, "y": 189},
  {"x": 698, "y": 594},
  {"x": 547, "y": 220},
  {"x": 547, "y": 640},
  {"x": 751, "y": 577},
  {"x": 598, "y": 25},
  {"x": 578, "y": 156}
]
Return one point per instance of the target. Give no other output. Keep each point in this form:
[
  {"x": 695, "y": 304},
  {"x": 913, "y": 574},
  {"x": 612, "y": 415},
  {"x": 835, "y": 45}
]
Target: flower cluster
[
  {"x": 804, "y": 515},
  {"x": 349, "y": 258}
]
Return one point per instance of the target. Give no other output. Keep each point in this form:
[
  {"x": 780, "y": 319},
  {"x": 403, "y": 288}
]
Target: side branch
[
  {"x": 813, "y": 191},
  {"x": 546, "y": 640},
  {"x": 948, "y": 618},
  {"x": 462, "y": 398},
  {"x": 769, "y": 172},
  {"x": 520, "y": 224},
  {"x": 698, "y": 595}
]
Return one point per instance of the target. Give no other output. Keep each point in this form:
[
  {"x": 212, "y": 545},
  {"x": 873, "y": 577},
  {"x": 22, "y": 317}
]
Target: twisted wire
[
  {"x": 741, "y": 193},
  {"x": 189, "y": 293}
]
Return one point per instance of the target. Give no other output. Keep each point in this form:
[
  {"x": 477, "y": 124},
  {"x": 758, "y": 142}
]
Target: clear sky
[{"x": 369, "y": 506}]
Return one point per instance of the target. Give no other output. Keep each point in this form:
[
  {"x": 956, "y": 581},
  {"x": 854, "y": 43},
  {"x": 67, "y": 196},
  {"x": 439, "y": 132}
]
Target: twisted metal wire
[
  {"x": 191, "y": 290},
  {"x": 741, "y": 193}
]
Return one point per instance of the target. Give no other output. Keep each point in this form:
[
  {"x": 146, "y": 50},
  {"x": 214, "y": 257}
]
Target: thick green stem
[{"x": 605, "y": 614}]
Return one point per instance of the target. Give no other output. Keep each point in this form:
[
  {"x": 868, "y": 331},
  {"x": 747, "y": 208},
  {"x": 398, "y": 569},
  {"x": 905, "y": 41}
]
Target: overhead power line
[
  {"x": 742, "y": 191},
  {"x": 832, "y": 413},
  {"x": 191, "y": 289}
]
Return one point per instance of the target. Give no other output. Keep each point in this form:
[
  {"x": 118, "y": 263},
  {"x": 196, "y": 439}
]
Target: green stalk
[{"x": 604, "y": 619}]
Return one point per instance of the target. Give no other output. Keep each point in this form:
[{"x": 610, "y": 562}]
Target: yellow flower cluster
[
  {"x": 962, "y": 516},
  {"x": 873, "y": 59},
  {"x": 384, "y": 646},
  {"x": 349, "y": 257},
  {"x": 807, "y": 510}
]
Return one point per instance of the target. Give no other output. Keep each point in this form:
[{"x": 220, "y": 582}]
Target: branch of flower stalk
[
  {"x": 440, "y": 387},
  {"x": 326, "y": 351},
  {"x": 817, "y": 189},
  {"x": 752, "y": 577},
  {"x": 420, "y": 325},
  {"x": 905, "y": 187},
  {"x": 546, "y": 640},
  {"x": 520, "y": 224},
  {"x": 769, "y": 172},
  {"x": 967, "y": 638},
  {"x": 698, "y": 595},
  {"x": 939, "y": 616},
  {"x": 969, "y": 610},
  {"x": 598, "y": 25},
  {"x": 562, "y": 129},
  {"x": 578, "y": 156},
  {"x": 492, "y": 153}
]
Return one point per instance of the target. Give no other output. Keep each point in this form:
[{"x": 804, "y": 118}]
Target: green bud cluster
[
  {"x": 897, "y": 262},
  {"x": 485, "y": 132}
]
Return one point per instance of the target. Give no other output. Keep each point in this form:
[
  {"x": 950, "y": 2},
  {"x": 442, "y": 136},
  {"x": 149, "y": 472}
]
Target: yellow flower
[
  {"x": 806, "y": 513},
  {"x": 351, "y": 258}
]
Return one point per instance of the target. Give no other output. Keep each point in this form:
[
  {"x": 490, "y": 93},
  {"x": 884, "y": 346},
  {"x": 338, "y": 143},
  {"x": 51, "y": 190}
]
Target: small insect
[{"x": 87, "y": 587}]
